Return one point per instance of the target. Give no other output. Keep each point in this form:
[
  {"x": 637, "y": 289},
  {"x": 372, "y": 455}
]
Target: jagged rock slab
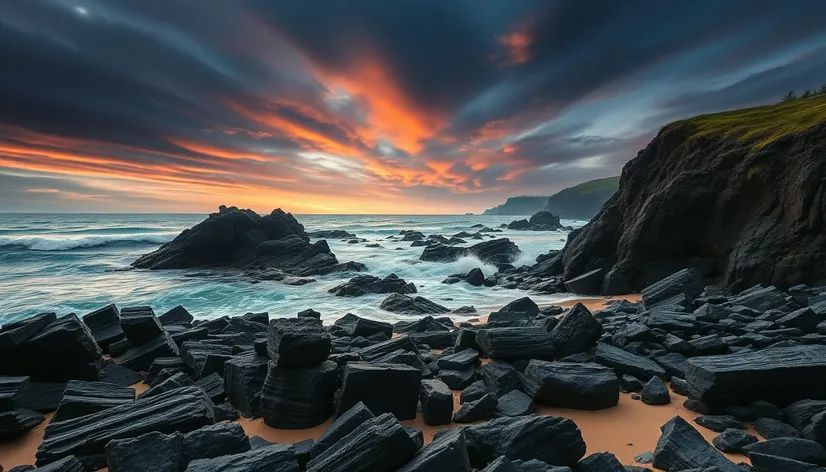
[
  {"x": 718, "y": 423},
  {"x": 42, "y": 397},
  {"x": 152, "y": 451},
  {"x": 477, "y": 410},
  {"x": 550, "y": 439},
  {"x": 624, "y": 362},
  {"x": 299, "y": 398},
  {"x": 213, "y": 441},
  {"x": 600, "y": 462},
  {"x": 799, "y": 449},
  {"x": 500, "y": 377},
  {"x": 168, "y": 373},
  {"x": 119, "y": 375},
  {"x": 342, "y": 426},
  {"x": 139, "y": 358},
  {"x": 297, "y": 342},
  {"x": 460, "y": 360},
  {"x": 448, "y": 453},
  {"x": 84, "y": 398},
  {"x": 15, "y": 423},
  {"x": 14, "y": 334},
  {"x": 779, "y": 375},
  {"x": 576, "y": 332},
  {"x": 762, "y": 299},
  {"x": 104, "y": 323},
  {"x": 427, "y": 323},
  {"x": 433, "y": 339},
  {"x": 771, "y": 428},
  {"x": 139, "y": 324},
  {"x": 466, "y": 339},
  {"x": 766, "y": 463},
  {"x": 213, "y": 385},
  {"x": 164, "y": 363},
  {"x": 404, "y": 357},
  {"x": 11, "y": 388},
  {"x": 272, "y": 458},
  {"x": 177, "y": 316},
  {"x": 355, "y": 326},
  {"x": 403, "y": 304},
  {"x": 458, "y": 379},
  {"x": 364, "y": 284},
  {"x": 733, "y": 440},
  {"x": 496, "y": 251},
  {"x": 682, "y": 447},
  {"x": 119, "y": 348},
  {"x": 514, "y": 403},
  {"x": 67, "y": 464},
  {"x": 66, "y": 342},
  {"x": 379, "y": 444},
  {"x": 205, "y": 357},
  {"x": 571, "y": 385},
  {"x": 379, "y": 350},
  {"x": 183, "y": 410},
  {"x": 244, "y": 377},
  {"x": 800, "y": 413},
  {"x": 179, "y": 380},
  {"x": 384, "y": 388},
  {"x": 437, "y": 402},
  {"x": 516, "y": 343},
  {"x": 686, "y": 281},
  {"x": 194, "y": 334}
]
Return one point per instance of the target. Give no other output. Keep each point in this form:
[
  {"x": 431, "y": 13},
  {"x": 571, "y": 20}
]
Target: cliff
[
  {"x": 737, "y": 195},
  {"x": 580, "y": 202}
]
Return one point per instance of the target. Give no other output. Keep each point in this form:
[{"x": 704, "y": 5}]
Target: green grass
[
  {"x": 596, "y": 186},
  {"x": 762, "y": 125}
]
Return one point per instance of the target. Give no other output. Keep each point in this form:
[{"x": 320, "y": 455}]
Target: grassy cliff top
[
  {"x": 765, "y": 124},
  {"x": 595, "y": 186}
]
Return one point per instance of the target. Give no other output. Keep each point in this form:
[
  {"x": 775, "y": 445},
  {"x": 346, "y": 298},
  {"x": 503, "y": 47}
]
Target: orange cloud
[{"x": 516, "y": 45}]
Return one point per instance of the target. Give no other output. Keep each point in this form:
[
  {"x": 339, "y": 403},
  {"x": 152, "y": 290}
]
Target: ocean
[{"x": 76, "y": 263}]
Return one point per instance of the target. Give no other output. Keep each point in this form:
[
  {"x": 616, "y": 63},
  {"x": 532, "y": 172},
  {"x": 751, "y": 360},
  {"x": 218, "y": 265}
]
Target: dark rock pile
[
  {"x": 364, "y": 284},
  {"x": 496, "y": 251},
  {"x": 266, "y": 246},
  {"x": 539, "y": 221},
  {"x": 752, "y": 357}
]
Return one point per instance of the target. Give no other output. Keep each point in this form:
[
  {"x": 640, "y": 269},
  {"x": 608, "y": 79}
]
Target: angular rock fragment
[
  {"x": 655, "y": 392},
  {"x": 760, "y": 375},
  {"x": 516, "y": 343},
  {"x": 183, "y": 410},
  {"x": 460, "y": 360},
  {"x": 14, "y": 334},
  {"x": 576, "y": 332},
  {"x": 83, "y": 398},
  {"x": 298, "y": 398},
  {"x": 571, "y": 385},
  {"x": 139, "y": 358},
  {"x": 179, "y": 380},
  {"x": 437, "y": 402},
  {"x": 458, "y": 379},
  {"x": 379, "y": 350},
  {"x": 213, "y": 441},
  {"x": 42, "y": 397},
  {"x": 475, "y": 391},
  {"x": 379, "y": 444},
  {"x": 15, "y": 423},
  {"x": 624, "y": 362},
  {"x": 500, "y": 377},
  {"x": 448, "y": 453},
  {"x": 272, "y": 458},
  {"x": 384, "y": 388},
  {"x": 152, "y": 451},
  {"x": 355, "y": 326},
  {"x": 514, "y": 403},
  {"x": 177, "y": 316},
  {"x": 816, "y": 430},
  {"x": 342, "y": 426},
  {"x": 213, "y": 385},
  {"x": 686, "y": 281},
  {"x": 771, "y": 428},
  {"x": 403, "y": 304},
  {"x": 205, "y": 357},
  {"x": 733, "y": 440},
  {"x": 104, "y": 323},
  {"x": 11, "y": 388},
  {"x": 799, "y": 449},
  {"x": 682, "y": 447},
  {"x": 119, "y": 375},
  {"x": 244, "y": 376},
  {"x": 297, "y": 342},
  {"x": 767, "y": 463},
  {"x": 364, "y": 284},
  {"x": 481, "y": 409},
  {"x": 139, "y": 324},
  {"x": 67, "y": 464},
  {"x": 600, "y": 462},
  {"x": 800, "y": 413},
  {"x": 718, "y": 423}
]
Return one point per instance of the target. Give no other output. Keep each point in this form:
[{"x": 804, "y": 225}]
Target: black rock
[
  {"x": 437, "y": 402},
  {"x": 800, "y": 413},
  {"x": 176, "y": 316},
  {"x": 331, "y": 234},
  {"x": 407, "y": 358},
  {"x": 104, "y": 323},
  {"x": 655, "y": 392},
  {"x": 183, "y": 410},
  {"x": 433, "y": 339},
  {"x": 309, "y": 313},
  {"x": 179, "y": 380},
  {"x": 475, "y": 277},
  {"x": 244, "y": 376},
  {"x": 403, "y": 304},
  {"x": 760, "y": 375},
  {"x": 733, "y": 440},
  {"x": 355, "y": 326},
  {"x": 475, "y": 391},
  {"x": 624, "y": 362},
  {"x": 578, "y": 331},
  {"x": 139, "y": 358},
  {"x": 501, "y": 464},
  {"x": 426, "y": 323},
  {"x": 272, "y": 458},
  {"x": 571, "y": 385},
  {"x": 213, "y": 385},
  {"x": 66, "y": 464},
  {"x": 514, "y": 403},
  {"x": 495, "y": 251},
  {"x": 298, "y": 398},
  {"x": 226, "y": 412},
  {"x": 629, "y": 383},
  {"x": 466, "y": 339},
  {"x": 345, "y": 424},
  {"x": 205, "y": 357},
  {"x": 384, "y": 388},
  {"x": 772, "y": 429},
  {"x": 379, "y": 350},
  {"x": 673, "y": 363},
  {"x": 83, "y": 398},
  {"x": 172, "y": 364},
  {"x": 379, "y": 444},
  {"x": 448, "y": 453},
  {"x": 139, "y": 324},
  {"x": 551, "y": 439},
  {"x": 686, "y": 281},
  {"x": 297, "y": 342},
  {"x": 152, "y": 451},
  {"x": 458, "y": 379},
  {"x": 42, "y": 397},
  {"x": 679, "y": 386},
  {"x": 460, "y": 360},
  {"x": 766, "y": 463},
  {"x": 682, "y": 447},
  {"x": 119, "y": 375},
  {"x": 11, "y": 388},
  {"x": 600, "y": 462},
  {"x": 481, "y": 409},
  {"x": 516, "y": 343},
  {"x": 802, "y": 450},
  {"x": 816, "y": 430},
  {"x": 521, "y": 305},
  {"x": 718, "y": 423},
  {"x": 500, "y": 377},
  {"x": 14, "y": 334},
  {"x": 66, "y": 342},
  {"x": 15, "y": 423},
  {"x": 364, "y": 284},
  {"x": 214, "y": 441}
]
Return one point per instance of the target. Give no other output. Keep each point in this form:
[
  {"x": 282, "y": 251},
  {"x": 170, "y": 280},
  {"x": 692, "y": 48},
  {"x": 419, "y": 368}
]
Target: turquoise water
[{"x": 75, "y": 263}]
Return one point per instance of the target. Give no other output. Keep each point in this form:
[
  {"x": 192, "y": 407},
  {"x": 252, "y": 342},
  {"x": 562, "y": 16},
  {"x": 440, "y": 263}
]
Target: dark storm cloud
[{"x": 327, "y": 101}]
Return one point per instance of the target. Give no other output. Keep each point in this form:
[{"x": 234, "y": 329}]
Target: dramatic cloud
[{"x": 424, "y": 106}]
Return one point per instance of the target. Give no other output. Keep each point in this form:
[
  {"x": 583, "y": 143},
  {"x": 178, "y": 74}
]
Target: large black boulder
[
  {"x": 516, "y": 343},
  {"x": 576, "y": 332},
  {"x": 682, "y": 447},
  {"x": 437, "y": 402},
  {"x": 244, "y": 376},
  {"x": 355, "y": 326},
  {"x": 496, "y": 251},
  {"x": 297, "y": 342},
  {"x": 624, "y": 362},
  {"x": 571, "y": 385},
  {"x": 383, "y": 388},
  {"x": 152, "y": 451},
  {"x": 139, "y": 324},
  {"x": 104, "y": 323},
  {"x": 364, "y": 284},
  {"x": 298, "y": 398},
  {"x": 403, "y": 304}
]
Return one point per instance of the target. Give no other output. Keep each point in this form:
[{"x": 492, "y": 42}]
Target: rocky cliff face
[{"x": 739, "y": 212}]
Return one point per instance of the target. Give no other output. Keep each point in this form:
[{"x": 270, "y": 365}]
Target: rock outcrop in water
[
  {"x": 740, "y": 210},
  {"x": 539, "y": 221},
  {"x": 242, "y": 239}
]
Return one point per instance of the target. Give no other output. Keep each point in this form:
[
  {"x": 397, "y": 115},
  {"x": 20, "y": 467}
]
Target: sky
[{"x": 368, "y": 106}]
